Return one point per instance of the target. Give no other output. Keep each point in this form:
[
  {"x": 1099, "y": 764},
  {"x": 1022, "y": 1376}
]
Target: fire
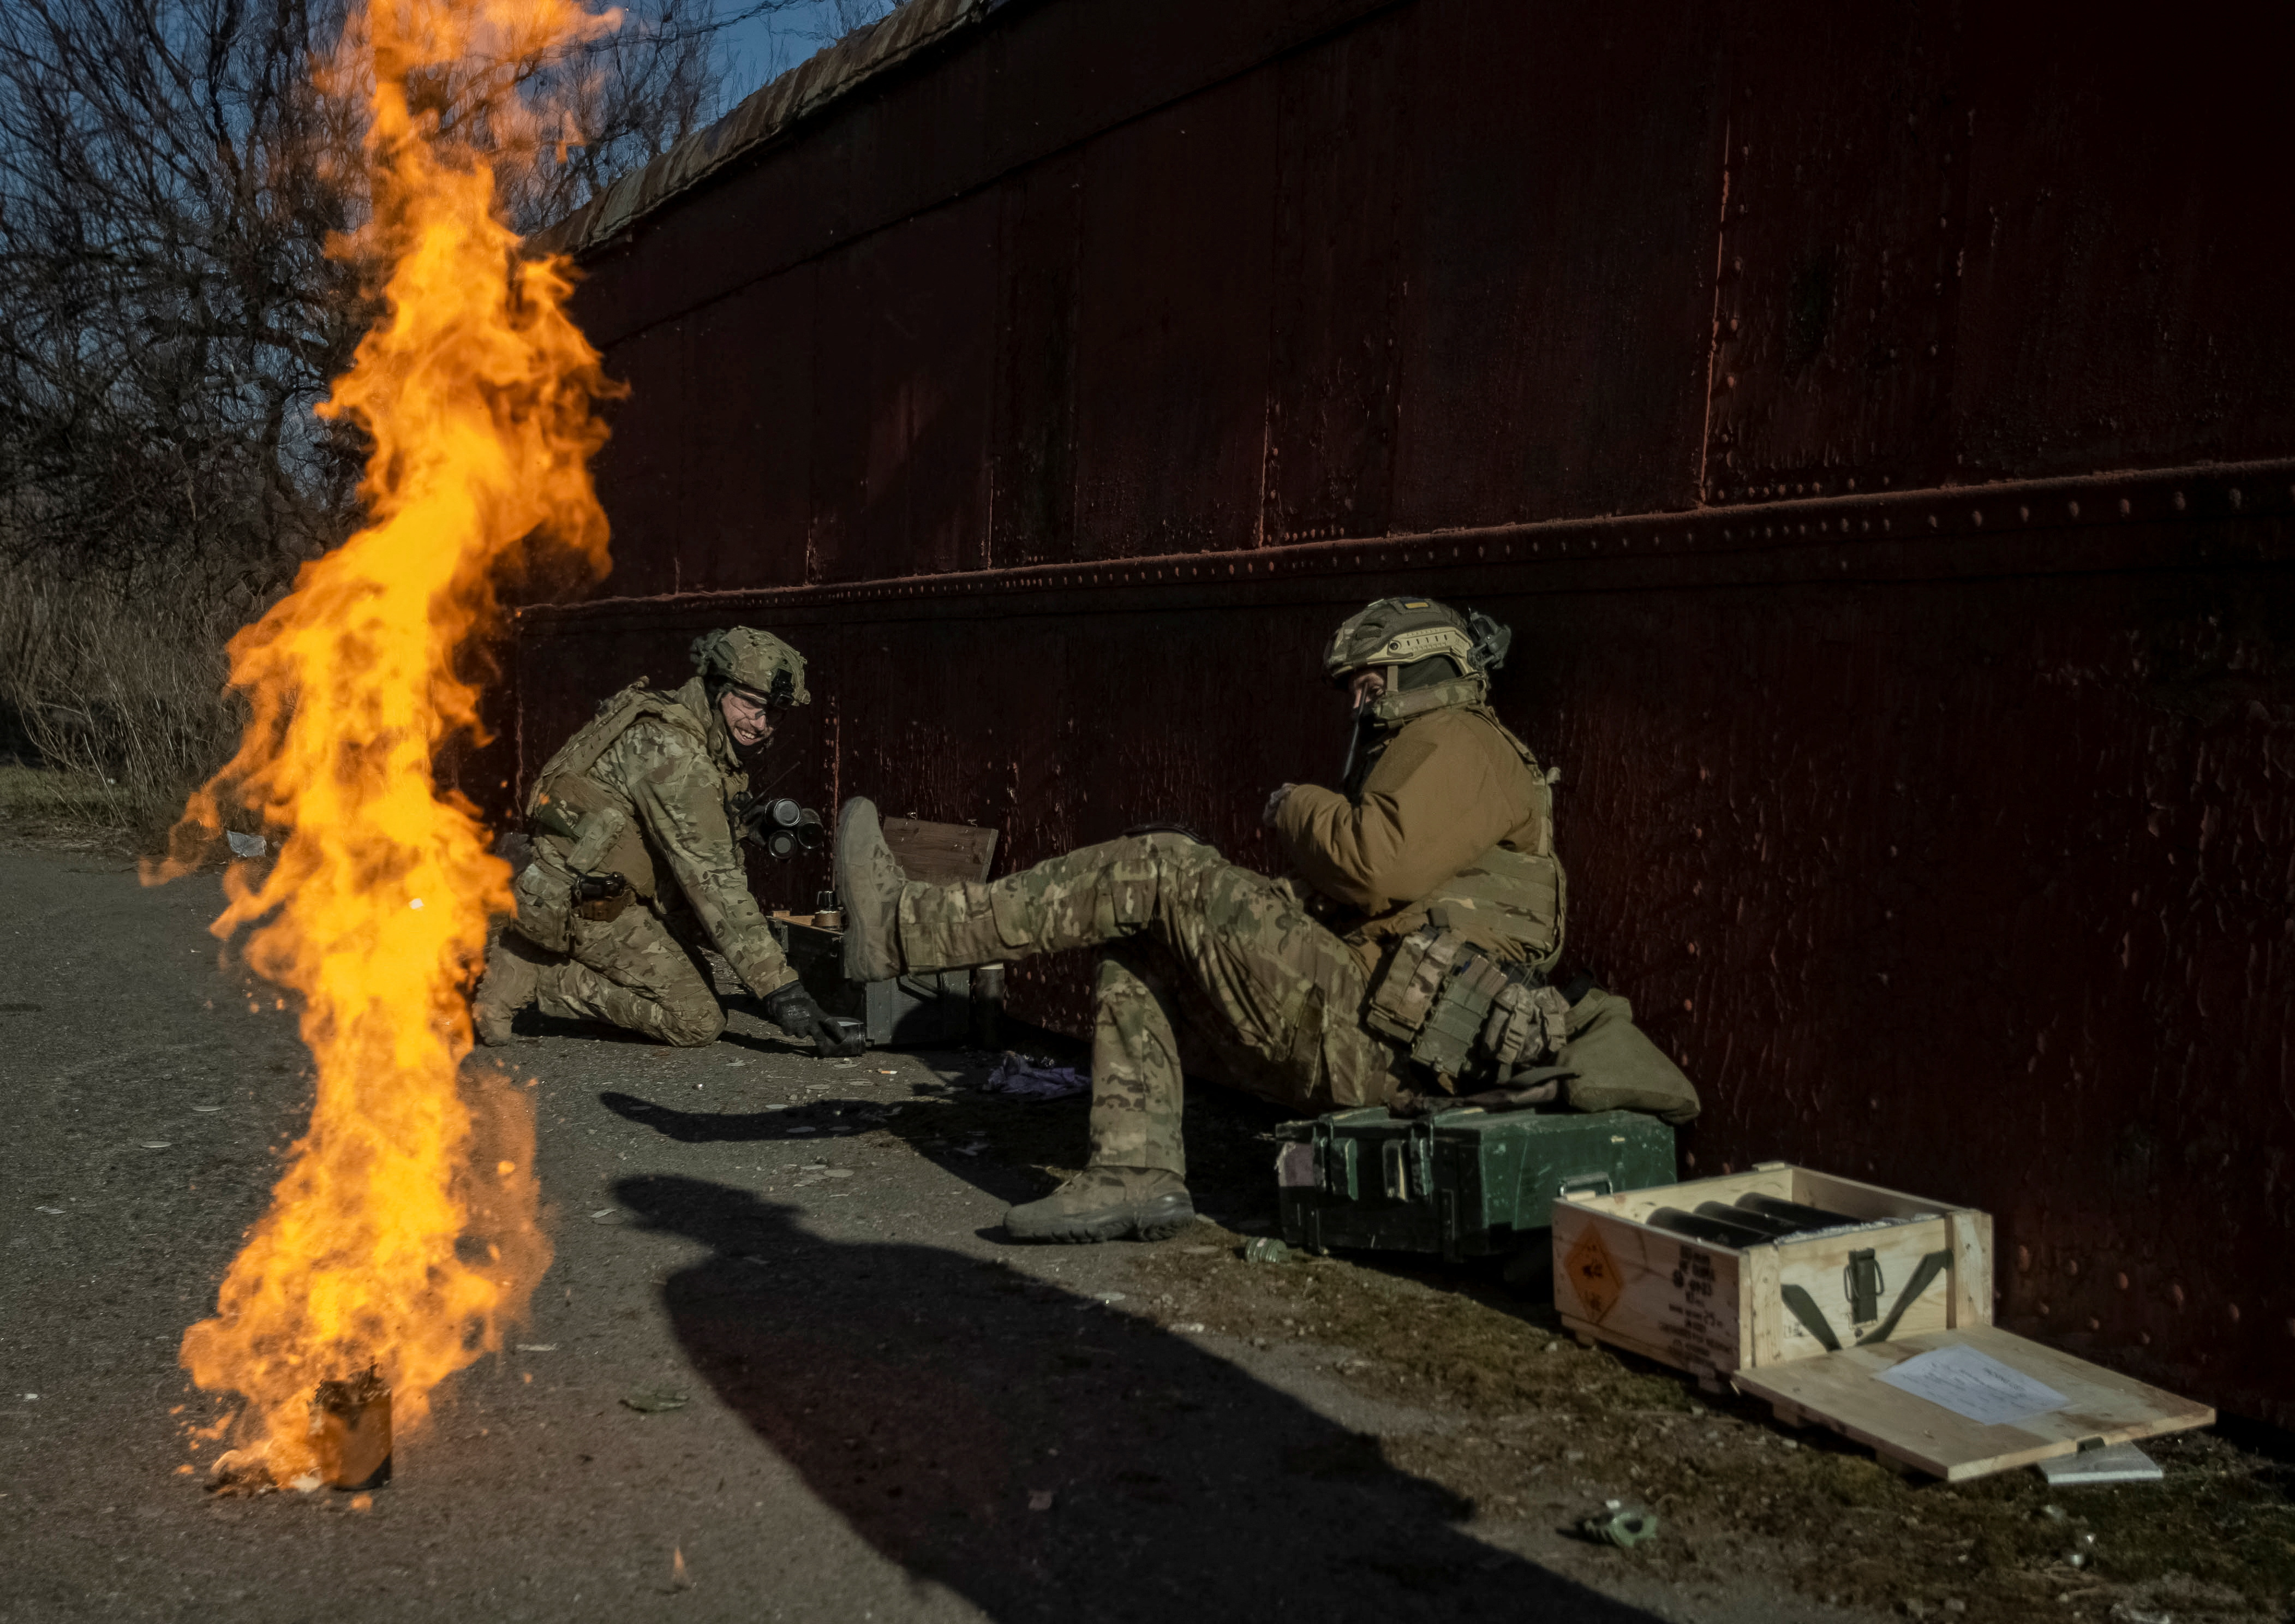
[{"x": 404, "y": 1234}]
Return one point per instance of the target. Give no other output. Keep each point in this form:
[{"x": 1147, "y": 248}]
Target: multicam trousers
[
  {"x": 1208, "y": 967},
  {"x": 633, "y": 971}
]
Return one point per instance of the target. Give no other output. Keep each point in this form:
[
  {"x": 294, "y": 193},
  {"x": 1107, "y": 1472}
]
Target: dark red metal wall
[{"x": 1879, "y": 423}]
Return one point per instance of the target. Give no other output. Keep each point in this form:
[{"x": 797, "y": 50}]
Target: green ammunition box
[{"x": 1464, "y": 1183}]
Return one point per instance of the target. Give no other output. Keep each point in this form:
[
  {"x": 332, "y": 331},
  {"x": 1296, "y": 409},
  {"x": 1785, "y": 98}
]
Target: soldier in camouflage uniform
[
  {"x": 634, "y": 823},
  {"x": 1442, "y": 830}
]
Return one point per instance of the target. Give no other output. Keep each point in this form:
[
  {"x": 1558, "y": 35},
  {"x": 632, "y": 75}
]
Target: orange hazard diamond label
[{"x": 1593, "y": 1277}]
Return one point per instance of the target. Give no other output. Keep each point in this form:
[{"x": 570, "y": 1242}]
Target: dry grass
[{"x": 119, "y": 687}]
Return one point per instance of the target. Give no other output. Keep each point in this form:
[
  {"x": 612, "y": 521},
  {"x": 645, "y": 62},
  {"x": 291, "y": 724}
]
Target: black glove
[{"x": 792, "y": 1010}]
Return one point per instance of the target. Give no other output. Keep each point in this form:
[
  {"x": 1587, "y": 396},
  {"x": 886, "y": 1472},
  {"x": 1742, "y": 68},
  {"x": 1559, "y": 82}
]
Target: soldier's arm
[
  {"x": 1429, "y": 807},
  {"x": 679, "y": 797}
]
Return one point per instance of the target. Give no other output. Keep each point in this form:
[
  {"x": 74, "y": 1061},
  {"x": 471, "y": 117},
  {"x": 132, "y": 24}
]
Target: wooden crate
[
  {"x": 1713, "y": 1309},
  {"x": 1780, "y": 1320}
]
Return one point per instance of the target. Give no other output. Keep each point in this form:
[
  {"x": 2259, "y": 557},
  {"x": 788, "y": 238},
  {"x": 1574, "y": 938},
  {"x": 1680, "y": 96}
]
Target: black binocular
[{"x": 782, "y": 828}]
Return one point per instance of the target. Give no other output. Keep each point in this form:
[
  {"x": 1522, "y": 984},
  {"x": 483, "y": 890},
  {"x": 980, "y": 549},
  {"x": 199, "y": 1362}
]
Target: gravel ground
[{"x": 882, "y": 1409}]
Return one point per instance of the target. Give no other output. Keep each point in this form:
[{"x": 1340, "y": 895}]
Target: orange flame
[{"x": 405, "y": 1233}]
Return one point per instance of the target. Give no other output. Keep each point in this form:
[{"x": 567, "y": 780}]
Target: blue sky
[{"x": 775, "y": 43}]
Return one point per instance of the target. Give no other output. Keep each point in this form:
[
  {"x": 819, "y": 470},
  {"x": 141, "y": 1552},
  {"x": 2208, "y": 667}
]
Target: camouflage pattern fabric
[
  {"x": 677, "y": 789},
  {"x": 633, "y": 972},
  {"x": 1211, "y": 969}
]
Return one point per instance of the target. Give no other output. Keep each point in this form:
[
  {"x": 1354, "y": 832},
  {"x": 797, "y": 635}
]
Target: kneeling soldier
[
  {"x": 1427, "y": 905},
  {"x": 635, "y": 815}
]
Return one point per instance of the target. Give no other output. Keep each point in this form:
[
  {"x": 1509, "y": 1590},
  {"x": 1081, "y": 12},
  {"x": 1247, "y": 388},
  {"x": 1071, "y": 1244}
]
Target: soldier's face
[
  {"x": 1368, "y": 685},
  {"x": 749, "y": 719}
]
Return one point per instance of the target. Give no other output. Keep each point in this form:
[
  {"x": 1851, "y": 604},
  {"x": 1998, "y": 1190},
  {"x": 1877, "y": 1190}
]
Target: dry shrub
[{"x": 119, "y": 684}]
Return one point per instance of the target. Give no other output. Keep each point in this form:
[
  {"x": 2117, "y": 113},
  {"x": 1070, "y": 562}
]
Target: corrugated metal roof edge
[{"x": 820, "y": 80}]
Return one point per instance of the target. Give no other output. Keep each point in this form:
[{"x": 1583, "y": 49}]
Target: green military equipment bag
[{"x": 1463, "y": 1182}]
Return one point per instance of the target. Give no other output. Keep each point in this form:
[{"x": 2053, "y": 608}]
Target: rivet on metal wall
[
  {"x": 2073, "y": 508},
  {"x": 2123, "y": 507},
  {"x": 2178, "y": 499},
  {"x": 1976, "y": 517},
  {"x": 2023, "y": 515},
  {"x": 2234, "y": 495}
]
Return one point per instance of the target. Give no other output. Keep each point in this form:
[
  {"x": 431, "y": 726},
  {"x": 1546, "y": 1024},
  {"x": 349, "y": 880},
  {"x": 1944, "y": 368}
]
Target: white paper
[{"x": 1974, "y": 1384}]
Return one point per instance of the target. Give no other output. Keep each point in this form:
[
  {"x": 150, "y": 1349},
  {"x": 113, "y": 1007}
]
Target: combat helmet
[
  {"x": 741, "y": 657},
  {"x": 1396, "y": 634}
]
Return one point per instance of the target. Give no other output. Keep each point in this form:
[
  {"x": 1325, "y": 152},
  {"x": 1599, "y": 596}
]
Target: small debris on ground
[
  {"x": 1619, "y": 1526},
  {"x": 654, "y": 1401},
  {"x": 1032, "y": 1077}
]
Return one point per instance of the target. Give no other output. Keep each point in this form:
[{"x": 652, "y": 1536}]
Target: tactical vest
[
  {"x": 1465, "y": 987},
  {"x": 584, "y": 824},
  {"x": 1515, "y": 894}
]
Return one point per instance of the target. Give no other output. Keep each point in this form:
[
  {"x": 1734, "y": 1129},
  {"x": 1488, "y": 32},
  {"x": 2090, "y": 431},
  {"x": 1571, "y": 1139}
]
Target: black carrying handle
[{"x": 1803, "y": 1307}]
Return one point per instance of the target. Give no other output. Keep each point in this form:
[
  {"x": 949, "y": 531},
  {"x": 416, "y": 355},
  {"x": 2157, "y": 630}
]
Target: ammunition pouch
[
  {"x": 544, "y": 895},
  {"x": 1466, "y": 1017}
]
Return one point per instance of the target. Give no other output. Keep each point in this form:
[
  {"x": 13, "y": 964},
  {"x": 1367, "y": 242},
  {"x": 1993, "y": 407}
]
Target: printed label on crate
[
  {"x": 1698, "y": 1331},
  {"x": 1593, "y": 1277}
]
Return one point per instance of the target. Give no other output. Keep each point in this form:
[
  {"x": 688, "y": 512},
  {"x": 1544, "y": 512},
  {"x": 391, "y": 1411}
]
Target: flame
[{"x": 404, "y": 1234}]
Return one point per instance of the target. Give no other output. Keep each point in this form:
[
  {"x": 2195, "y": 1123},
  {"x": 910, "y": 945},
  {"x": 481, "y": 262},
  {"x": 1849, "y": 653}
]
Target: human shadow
[{"x": 1045, "y": 1455}]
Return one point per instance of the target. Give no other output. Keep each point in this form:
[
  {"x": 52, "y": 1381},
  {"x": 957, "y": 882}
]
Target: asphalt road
[{"x": 890, "y": 1413}]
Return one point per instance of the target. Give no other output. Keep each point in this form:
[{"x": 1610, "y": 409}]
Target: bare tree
[
  {"x": 175, "y": 187},
  {"x": 171, "y": 178}
]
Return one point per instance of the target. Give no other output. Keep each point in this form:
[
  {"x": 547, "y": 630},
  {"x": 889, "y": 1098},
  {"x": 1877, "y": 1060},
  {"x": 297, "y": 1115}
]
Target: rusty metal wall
[{"x": 1787, "y": 374}]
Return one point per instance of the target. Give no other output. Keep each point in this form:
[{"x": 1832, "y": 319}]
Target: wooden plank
[
  {"x": 941, "y": 854},
  {"x": 1854, "y": 1199},
  {"x": 1760, "y": 1307},
  {"x": 1670, "y": 1297},
  {"x": 1840, "y": 1390},
  {"x": 1971, "y": 1303},
  {"x": 1777, "y": 1180}
]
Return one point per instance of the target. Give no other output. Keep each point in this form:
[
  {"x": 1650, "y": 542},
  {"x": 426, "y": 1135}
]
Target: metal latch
[
  {"x": 1584, "y": 1184},
  {"x": 1861, "y": 1284},
  {"x": 1394, "y": 1168}
]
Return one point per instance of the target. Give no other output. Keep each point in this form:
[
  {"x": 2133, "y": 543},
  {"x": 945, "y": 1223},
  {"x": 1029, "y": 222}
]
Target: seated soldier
[
  {"x": 1405, "y": 956},
  {"x": 635, "y": 824}
]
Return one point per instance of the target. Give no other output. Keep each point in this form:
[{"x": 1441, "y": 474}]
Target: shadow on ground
[{"x": 1046, "y": 1457}]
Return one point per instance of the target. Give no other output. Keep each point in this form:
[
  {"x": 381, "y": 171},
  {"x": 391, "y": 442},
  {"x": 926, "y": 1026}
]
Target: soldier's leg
[
  {"x": 1134, "y": 1182},
  {"x": 1270, "y": 995},
  {"x": 631, "y": 971},
  {"x": 1137, "y": 1084}
]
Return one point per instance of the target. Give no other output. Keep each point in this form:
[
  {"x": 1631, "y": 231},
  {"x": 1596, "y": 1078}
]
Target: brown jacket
[{"x": 1446, "y": 787}]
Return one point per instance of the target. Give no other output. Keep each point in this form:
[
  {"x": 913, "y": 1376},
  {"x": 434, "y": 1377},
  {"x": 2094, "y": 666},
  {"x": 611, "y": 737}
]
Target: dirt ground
[{"x": 785, "y": 1344}]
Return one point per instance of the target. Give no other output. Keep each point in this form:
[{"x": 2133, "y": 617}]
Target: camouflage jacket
[{"x": 672, "y": 770}]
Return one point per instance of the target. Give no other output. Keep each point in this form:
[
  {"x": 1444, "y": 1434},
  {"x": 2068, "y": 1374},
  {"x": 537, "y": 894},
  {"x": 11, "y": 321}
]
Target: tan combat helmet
[
  {"x": 1395, "y": 633},
  {"x": 741, "y": 657}
]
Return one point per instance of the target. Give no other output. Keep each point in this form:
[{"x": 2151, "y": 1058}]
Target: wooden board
[
  {"x": 941, "y": 854},
  {"x": 1839, "y": 1391}
]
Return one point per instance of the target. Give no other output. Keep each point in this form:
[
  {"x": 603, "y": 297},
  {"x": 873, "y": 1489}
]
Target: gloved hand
[{"x": 792, "y": 1010}]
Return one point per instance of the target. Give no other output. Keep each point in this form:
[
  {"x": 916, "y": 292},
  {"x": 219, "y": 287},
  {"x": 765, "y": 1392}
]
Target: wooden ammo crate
[
  {"x": 1827, "y": 1324},
  {"x": 1711, "y": 1309}
]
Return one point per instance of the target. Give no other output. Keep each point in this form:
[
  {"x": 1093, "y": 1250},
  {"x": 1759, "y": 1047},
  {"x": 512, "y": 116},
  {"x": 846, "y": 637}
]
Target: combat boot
[
  {"x": 1106, "y": 1203},
  {"x": 868, "y": 881},
  {"x": 512, "y": 983}
]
